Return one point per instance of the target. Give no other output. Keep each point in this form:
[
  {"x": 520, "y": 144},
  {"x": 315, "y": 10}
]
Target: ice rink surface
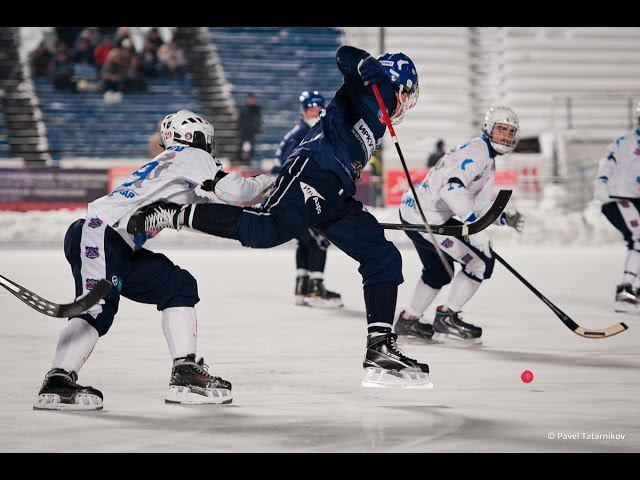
[{"x": 296, "y": 371}]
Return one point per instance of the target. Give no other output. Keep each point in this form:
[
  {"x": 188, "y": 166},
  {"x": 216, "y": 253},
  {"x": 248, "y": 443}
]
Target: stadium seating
[
  {"x": 5, "y": 150},
  {"x": 276, "y": 64},
  {"x": 82, "y": 125}
]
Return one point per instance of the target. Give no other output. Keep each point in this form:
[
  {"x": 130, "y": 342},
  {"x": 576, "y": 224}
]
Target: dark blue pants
[
  {"x": 433, "y": 272},
  {"x": 625, "y": 216},
  {"x": 96, "y": 251},
  {"x": 307, "y": 196}
]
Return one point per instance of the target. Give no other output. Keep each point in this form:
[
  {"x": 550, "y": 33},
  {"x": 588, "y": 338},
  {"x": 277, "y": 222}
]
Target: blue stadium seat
[
  {"x": 82, "y": 125},
  {"x": 276, "y": 64}
]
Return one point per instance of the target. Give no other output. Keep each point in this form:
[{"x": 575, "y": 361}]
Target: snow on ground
[{"x": 296, "y": 371}]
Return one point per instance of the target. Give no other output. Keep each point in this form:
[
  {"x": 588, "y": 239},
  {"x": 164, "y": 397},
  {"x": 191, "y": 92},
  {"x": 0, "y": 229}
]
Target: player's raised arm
[{"x": 234, "y": 188}]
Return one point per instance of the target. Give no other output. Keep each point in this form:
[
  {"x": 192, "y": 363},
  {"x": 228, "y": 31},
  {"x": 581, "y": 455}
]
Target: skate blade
[
  {"x": 51, "y": 401},
  {"x": 321, "y": 303},
  {"x": 185, "y": 396},
  {"x": 407, "y": 378},
  {"x": 454, "y": 340},
  {"x": 300, "y": 301}
]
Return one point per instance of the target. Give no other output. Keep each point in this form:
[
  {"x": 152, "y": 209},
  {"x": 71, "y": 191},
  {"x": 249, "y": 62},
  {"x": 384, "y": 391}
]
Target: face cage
[
  {"x": 405, "y": 106},
  {"x": 500, "y": 147}
]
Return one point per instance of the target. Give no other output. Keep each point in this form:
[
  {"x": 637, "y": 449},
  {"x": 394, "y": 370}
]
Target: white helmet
[
  {"x": 501, "y": 116},
  {"x": 187, "y": 128}
]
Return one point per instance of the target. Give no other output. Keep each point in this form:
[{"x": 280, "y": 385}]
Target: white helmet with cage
[
  {"x": 187, "y": 128},
  {"x": 502, "y": 128}
]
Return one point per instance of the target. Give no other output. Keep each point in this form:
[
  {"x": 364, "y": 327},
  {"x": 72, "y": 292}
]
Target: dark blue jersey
[
  {"x": 351, "y": 128},
  {"x": 290, "y": 141}
]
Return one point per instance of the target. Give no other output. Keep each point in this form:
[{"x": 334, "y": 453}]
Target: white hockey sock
[
  {"x": 462, "y": 289},
  {"x": 180, "y": 327},
  {"x": 316, "y": 275},
  {"x": 75, "y": 344},
  {"x": 423, "y": 295},
  {"x": 631, "y": 267},
  {"x": 302, "y": 272}
]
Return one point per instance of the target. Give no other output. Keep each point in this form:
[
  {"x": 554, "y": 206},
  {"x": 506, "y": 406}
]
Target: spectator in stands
[
  {"x": 435, "y": 156},
  {"x": 122, "y": 34},
  {"x": 102, "y": 51},
  {"x": 91, "y": 34},
  {"x": 172, "y": 59},
  {"x": 62, "y": 71},
  {"x": 83, "y": 52},
  {"x": 154, "y": 38},
  {"x": 41, "y": 60},
  {"x": 149, "y": 60},
  {"x": 135, "y": 76},
  {"x": 127, "y": 50},
  {"x": 114, "y": 71},
  {"x": 249, "y": 124}
]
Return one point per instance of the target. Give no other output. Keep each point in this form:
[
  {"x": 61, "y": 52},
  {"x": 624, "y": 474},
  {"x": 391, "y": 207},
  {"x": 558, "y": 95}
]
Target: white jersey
[
  {"x": 460, "y": 185},
  {"x": 173, "y": 176},
  {"x": 620, "y": 168}
]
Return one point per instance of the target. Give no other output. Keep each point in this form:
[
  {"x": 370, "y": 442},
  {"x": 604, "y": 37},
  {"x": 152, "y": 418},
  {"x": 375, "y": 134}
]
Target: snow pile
[{"x": 542, "y": 227}]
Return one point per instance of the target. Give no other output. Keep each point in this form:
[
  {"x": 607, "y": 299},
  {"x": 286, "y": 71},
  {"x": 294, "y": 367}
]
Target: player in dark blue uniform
[
  {"x": 316, "y": 189},
  {"x": 311, "y": 254}
]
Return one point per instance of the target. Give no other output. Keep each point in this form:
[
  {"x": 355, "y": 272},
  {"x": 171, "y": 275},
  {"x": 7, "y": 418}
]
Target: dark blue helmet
[
  {"x": 403, "y": 74},
  {"x": 311, "y": 99}
]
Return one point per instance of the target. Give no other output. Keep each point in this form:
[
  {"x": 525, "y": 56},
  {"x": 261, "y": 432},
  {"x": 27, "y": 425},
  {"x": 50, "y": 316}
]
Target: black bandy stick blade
[
  {"x": 483, "y": 222},
  {"x": 52, "y": 309}
]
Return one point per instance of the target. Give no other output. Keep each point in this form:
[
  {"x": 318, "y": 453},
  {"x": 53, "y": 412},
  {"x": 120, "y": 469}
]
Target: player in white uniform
[
  {"x": 459, "y": 185},
  {"x": 619, "y": 176},
  {"x": 100, "y": 247}
]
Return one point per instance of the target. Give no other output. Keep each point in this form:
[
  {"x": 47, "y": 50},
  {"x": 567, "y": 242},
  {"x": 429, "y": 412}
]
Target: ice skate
[
  {"x": 302, "y": 289},
  {"x": 627, "y": 299},
  {"x": 319, "y": 297},
  {"x": 449, "y": 328},
  {"x": 412, "y": 327},
  {"x": 385, "y": 366},
  {"x": 60, "y": 391},
  {"x": 191, "y": 384},
  {"x": 155, "y": 217}
]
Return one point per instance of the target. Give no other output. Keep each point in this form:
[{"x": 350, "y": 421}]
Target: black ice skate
[
  {"x": 61, "y": 392},
  {"x": 627, "y": 299},
  {"x": 412, "y": 327},
  {"x": 155, "y": 217},
  {"x": 191, "y": 384},
  {"x": 318, "y": 296},
  {"x": 449, "y": 328},
  {"x": 302, "y": 289},
  {"x": 385, "y": 366}
]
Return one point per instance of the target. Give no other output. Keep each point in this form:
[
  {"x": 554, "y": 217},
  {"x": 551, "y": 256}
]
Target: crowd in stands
[{"x": 105, "y": 59}]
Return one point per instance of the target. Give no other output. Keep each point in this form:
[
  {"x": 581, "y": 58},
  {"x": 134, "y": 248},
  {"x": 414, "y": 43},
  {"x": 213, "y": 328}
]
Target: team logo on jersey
[
  {"x": 91, "y": 252},
  {"x": 447, "y": 243},
  {"x": 309, "y": 192},
  {"x": 467, "y": 258},
  {"x": 365, "y": 136},
  {"x": 90, "y": 283},
  {"x": 634, "y": 223},
  {"x": 95, "y": 222}
]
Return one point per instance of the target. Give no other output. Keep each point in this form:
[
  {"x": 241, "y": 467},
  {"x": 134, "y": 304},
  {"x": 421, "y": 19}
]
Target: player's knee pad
[
  {"x": 185, "y": 293},
  {"x": 479, "y": 268},
  {"x": 102, "y": 323},
  {"x": 435, "y": 277}
]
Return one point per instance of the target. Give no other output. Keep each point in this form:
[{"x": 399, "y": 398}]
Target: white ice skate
[
  {"x": 627, "y": 300},
  {"x": 60, "y": 391},
  {"x": 191, "y": 384}
]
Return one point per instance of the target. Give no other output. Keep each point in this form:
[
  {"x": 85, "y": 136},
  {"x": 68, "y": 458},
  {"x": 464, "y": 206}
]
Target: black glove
[{"x": 371, "y": 71}]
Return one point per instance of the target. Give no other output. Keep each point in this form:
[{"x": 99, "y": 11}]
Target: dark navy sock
[
  {"x": 380, "y": 302},
  {"x": 214, "y": 218}
]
